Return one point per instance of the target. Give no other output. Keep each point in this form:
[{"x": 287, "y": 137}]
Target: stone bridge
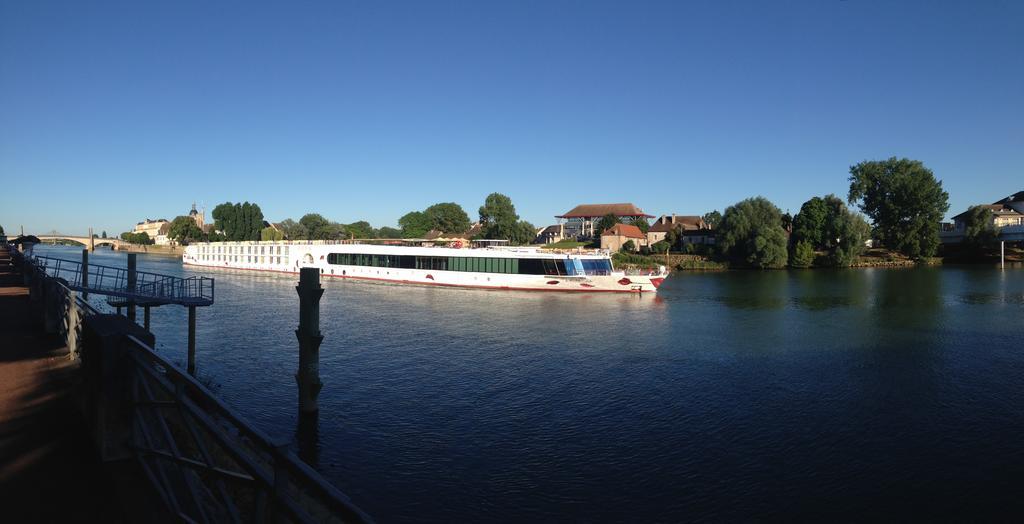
[{"x": 89, "y": 241}]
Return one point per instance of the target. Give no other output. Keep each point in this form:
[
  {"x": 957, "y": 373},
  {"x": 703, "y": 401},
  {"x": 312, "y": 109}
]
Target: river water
[{"x": 850, "y": 394}]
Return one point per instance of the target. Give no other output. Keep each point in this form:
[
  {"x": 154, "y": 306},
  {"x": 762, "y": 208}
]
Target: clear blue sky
[{"x": 119, "y": 111}]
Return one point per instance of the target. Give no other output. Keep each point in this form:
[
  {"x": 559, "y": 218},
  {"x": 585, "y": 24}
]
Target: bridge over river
[{"x": 90, "y": 242}]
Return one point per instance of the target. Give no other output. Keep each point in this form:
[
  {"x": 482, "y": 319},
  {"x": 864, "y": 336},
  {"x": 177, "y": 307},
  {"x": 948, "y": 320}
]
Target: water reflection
[
  {"x": 307, "y": 438},
  {"x": 753, "y": 289}
]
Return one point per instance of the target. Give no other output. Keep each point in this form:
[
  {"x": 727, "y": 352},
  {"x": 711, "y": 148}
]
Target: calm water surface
[{"x": 730, "y": 396}]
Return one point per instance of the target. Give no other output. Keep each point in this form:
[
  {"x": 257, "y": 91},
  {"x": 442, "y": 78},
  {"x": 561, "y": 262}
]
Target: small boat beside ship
[{"x": 488, "y": 267}]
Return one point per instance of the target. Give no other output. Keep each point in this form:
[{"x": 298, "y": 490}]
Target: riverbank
[
  {"x": 46, "y": 448},
  {"x": 872, "y": 258},
  {"x": 167, "y": 251}
]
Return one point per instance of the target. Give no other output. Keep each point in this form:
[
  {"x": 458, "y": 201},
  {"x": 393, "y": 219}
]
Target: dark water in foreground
[{"x": 849, "y": 395}]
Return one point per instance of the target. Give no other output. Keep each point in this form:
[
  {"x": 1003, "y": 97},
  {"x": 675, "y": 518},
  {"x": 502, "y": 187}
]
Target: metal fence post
[
  {"x": 85, "y": 273},
  {"x": 308, "y": 376},
  {"x": 191, "y": 340},
  {"x": 132, "y": 278}
]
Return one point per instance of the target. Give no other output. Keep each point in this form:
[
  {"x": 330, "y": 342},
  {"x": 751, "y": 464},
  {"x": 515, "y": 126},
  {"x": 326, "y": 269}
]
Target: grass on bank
[{"x": 675, "y": 261}]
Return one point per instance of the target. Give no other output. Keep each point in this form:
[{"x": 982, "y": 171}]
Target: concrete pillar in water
[
  {"x": 192, "y": 340},
  {"x": 85, "y": 272},
  {"x": 92, "y": 241},
  {"x": 308, "y": 376},
  {"x": 132, "y": 280}
]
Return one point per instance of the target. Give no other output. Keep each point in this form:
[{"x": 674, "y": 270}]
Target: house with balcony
[{"x": 1004, "y": 213}]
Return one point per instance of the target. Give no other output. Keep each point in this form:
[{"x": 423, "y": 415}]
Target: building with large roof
[{"x": 580, "y": 220}]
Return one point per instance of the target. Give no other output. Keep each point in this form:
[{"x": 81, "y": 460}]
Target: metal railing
[
  {"x": 114, "y": 281},
  {"x": 62, "y": 309},
  {"x": 204, "y": 461},
  {"x": 211, "y": 466}
]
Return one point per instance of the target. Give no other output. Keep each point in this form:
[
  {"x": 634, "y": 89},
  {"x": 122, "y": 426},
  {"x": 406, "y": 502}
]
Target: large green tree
[
  {"x": 294, "y": 230},
  {"x": 641, "y": 223},
  {"x": 389, "y": 232},
  {"x": 606, "y": 222},
  {"x": 826, "y": 224},
  {"x": 242, "y": 221},
  {"x": 361, "y": 229},
  {"x": 500, "y": 221},
  {"x": 845, "y": 242},
  {"x": 980, "y": 230},
  {"x": 712, "y": 219},
  {"x": 333, "y": 231},
  {"x": 447, "y": 217},
  {"x": 184, "y": 230},
  {"x": 810, "y": 223},
  {"x": 498, "y": 217},
  {"x": 522, "y": 233},
  {"x": 136, "y": 238},
  {"x": 751, "y": 234},
  {"x": 904, "y": 201},
  {"x": 414, "y": 224},
  {"x": 224, "y": 218},
  {"x": 315, "y": 225}
]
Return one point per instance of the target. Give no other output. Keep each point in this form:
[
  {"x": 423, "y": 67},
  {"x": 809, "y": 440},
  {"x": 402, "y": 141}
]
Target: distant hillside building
[
  {"x": 150, "y": 227},
  {"x": 690, "y": 228},
  {"x": 550, "y": 234},
  {"x": 580, "y": 220},
  {"x": 158, "y": 229},
  {"x": 161, "y": 238}
]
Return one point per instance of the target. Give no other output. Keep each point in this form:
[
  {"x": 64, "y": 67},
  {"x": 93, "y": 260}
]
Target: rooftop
[
  {"x": 1016, "y": 197},
  {"x": 668, "y": 222},
  {"x": 997, "y": 209},
  {"x": 600, "y": 210},
  {"x": 625, "y": 230}
]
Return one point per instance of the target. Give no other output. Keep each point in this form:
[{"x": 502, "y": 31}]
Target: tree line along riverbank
[{"x": 896, "y": 206}]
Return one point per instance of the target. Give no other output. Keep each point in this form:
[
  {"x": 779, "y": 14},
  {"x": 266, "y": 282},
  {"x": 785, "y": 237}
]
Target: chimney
[{"x": 673, "y": 218}]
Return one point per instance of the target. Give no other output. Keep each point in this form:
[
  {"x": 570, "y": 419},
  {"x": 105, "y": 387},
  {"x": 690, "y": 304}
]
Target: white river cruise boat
[{"x": 528, "y": 269}]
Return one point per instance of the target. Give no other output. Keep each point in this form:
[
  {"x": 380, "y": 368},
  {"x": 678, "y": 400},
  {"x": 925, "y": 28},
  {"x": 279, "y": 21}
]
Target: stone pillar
[
  {"x": 132, "y": 280},
  {"x": 308, "y": 376},
  {"x": 92, "y": 241}
]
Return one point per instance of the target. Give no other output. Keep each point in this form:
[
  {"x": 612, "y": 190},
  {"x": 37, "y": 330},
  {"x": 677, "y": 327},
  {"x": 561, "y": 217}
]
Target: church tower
[{"x": 198, "y": 217}]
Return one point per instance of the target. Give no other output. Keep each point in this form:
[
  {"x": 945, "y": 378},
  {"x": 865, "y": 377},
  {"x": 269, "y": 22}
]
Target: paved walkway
[{"x": 49, "y": 469}]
